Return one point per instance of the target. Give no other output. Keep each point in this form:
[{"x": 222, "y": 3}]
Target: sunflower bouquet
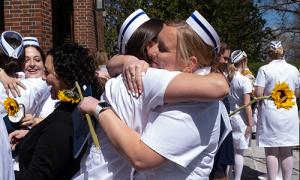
[
  {"x": 282, "y": 96},
  {"x": 15, "y": 111}
]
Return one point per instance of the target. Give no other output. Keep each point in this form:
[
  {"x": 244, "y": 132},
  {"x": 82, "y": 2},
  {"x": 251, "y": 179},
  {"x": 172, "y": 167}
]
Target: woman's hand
[
  {"x": 11, "y": 84},
  {"x": 88, "y": 105},
  {"x": 103, "y": 75},
  {"x": 133, "y": 73},
  {"x": 30, "y": 121},
  {"x": 15, "y": 137},
  {"x": 248, "y": 131}
]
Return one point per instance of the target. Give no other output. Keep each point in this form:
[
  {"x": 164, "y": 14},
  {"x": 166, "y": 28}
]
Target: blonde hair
[
  {"x": 190, "y": 44},
  {"x": 276, "y": 53},
  {"x": 232, "y": 68}
]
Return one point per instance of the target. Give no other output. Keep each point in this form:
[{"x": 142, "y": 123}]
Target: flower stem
[
  {"x": 251, "y": 102},
  {"x": 89, "y": 121}
]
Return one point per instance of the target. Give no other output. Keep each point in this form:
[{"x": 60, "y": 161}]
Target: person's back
[{"x": 280, "y": 71}]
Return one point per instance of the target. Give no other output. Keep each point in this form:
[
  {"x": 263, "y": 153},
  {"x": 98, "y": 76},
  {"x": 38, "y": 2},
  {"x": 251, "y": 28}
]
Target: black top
[{"x": 46, "y": 152}]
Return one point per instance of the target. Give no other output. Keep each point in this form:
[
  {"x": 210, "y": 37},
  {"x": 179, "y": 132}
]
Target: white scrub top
[{"x": 277, "y": 127}]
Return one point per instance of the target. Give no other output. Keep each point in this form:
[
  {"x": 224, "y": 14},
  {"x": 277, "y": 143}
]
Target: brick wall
[
  {"x": 84, "y": 24},
  {"x": 30, "y": 18},
  {"x": 34, "y": 18}
]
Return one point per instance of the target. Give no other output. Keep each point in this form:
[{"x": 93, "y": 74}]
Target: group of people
[{"x": 163, "y": 115}]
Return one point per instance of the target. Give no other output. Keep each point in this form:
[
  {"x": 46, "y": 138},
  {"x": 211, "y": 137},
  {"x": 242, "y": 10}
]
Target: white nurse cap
[
  {"x": 202, "y": 27},
  {"x": 133, "y": 21},
  {"x": 237, "y": 56},
  {"x": 30, "y": 41},
  {"x": 7, "y": 48}
]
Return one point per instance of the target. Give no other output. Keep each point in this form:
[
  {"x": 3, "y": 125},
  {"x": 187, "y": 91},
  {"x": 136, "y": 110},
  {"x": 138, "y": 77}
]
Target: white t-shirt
[
  {"x": 108, "y": 163},
  {"x": 277, "y": 127},
  {"x": 35, "y": 93}
]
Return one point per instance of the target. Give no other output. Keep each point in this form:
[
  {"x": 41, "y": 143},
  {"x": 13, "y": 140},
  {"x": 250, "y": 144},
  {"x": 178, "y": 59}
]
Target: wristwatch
[{"x": 101, "y": 106}]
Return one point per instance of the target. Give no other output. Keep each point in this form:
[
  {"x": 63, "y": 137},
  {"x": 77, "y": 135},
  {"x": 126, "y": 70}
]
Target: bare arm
[
  {"x": 193, "y": 87},
  {"x": 126, "y": 141},
  {"x": 248, "y": 110},
  {"x": 259, "y": 91}
]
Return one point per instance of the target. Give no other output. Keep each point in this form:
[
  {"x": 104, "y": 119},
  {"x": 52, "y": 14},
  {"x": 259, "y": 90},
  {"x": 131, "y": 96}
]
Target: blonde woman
[
  {"x": 277, "y": 129},
  {"x": 239, "y": 94}
]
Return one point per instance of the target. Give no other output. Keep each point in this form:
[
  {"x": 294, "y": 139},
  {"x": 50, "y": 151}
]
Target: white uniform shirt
[
  {"x": 239, "y": 86},
  {"x": 47, "y": 108},
  {"x": 35, "y": 93},
  {"x": 187, "y": 134},
  {"x": 108, "y": 163},
  {"x": 277, "y": 127}
]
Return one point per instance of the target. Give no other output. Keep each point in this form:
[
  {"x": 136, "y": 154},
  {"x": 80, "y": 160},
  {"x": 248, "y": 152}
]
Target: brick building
[{"x": 52, "y": 21}]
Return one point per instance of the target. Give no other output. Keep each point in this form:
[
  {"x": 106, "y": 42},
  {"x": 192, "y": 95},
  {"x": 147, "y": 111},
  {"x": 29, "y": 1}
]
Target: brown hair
[
  {"x": 141, "y": 38},
  {"x": 217, "y": 66}
]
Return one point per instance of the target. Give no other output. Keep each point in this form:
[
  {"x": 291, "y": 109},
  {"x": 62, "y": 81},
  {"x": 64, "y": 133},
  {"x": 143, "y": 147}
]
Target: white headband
[
  {"x": 202, "y": 27},
  {"x": 133, "y": 21},
  {"x": 275, "y": 45},
  {"x": 237, "y": 56},
  {"x": 6, "y": 47},
  {"x": 30, "y": 41}
]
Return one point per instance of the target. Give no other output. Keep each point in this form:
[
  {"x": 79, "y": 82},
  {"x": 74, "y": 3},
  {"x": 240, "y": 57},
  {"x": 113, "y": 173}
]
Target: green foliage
[
  {"x": 237, "y": 22},
  {"x": 254, "y": 66}
]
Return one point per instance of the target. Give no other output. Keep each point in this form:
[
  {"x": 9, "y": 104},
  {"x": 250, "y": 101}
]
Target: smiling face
[
  {"x": 165, "y": 55},
  {"x": 33, "y": 65},
  {"x": 51, "y": 78}
]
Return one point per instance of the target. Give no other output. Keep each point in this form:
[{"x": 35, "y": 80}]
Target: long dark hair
[
  {"x": 140, "y": 39},
  {"x": 73, "y": 62}
]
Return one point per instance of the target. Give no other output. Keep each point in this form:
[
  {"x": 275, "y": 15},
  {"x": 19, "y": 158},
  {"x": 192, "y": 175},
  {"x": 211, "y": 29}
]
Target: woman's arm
[
  {"x": 248, "y": 110},
  {"x": 116, "y": 63},
  {"x": 259, "y": 91},
  {"x": 126, "y": 141},
  {"x": 192, "y": 87}
]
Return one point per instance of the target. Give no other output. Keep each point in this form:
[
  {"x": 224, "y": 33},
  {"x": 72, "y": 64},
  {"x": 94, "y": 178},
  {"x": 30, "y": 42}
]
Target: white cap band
[
  {"x": 275, "y": 45},
  {"x": 237, "y": 56},
  {"x": 133, "y": 21},
  {"x": 30, "y": 41},
  {"x": 202, "y": 27},
  {"x": 6, "y": 47}
]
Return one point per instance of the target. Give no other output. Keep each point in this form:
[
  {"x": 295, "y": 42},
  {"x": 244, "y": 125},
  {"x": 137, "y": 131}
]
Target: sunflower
[
  {"x": 282, "y": 96},
  {"x": 246, "y": 72},
  {"x": 11, "y": 106},
  {"x": 68, "y": 96}
]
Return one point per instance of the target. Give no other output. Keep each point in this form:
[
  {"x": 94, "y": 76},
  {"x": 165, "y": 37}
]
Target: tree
[
  {"x": 238, "y": 22},
  {"x": 285, "y": 24}
]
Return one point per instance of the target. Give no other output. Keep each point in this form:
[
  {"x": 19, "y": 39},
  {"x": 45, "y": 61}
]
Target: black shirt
[{"x": 46, "y": 152}]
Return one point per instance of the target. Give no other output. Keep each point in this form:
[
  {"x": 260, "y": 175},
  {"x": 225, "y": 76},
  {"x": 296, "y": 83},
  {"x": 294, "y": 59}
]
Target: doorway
[{"x": 62, "y": 21}]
